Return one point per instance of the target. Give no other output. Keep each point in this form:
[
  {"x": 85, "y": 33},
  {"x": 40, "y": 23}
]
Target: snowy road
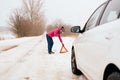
[{"x": 29, "y": 60}]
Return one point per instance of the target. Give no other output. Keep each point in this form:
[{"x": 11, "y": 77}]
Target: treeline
[
  {"x": 30, "y": 20},
  {"x": 59, "y": 23}
]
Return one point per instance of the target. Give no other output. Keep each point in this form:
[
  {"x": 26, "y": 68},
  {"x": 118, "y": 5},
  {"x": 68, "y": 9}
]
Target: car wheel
[
  {"x": 114, "y": 76},
  {"x": 73, "y": 65}
]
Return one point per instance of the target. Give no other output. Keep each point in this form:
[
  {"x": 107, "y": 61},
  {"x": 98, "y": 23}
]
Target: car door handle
[{"x": 109, "y": 37}]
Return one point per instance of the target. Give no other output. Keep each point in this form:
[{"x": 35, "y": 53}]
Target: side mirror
[{"x": 76, "y": 29}]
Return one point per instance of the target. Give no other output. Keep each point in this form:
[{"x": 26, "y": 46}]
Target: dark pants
[{"x": 50, "y": 43}]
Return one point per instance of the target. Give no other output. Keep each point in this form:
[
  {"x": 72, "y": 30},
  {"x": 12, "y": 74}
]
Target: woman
[{"x": 53, "y": 33}]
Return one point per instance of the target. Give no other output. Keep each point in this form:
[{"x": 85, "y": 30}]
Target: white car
[{"x": 96, "y": 51}]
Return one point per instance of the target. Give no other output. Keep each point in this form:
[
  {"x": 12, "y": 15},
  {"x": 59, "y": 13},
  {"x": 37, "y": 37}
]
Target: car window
[
  {"x": 112, "y": 11},
  {"x": 91, "y": 23}
]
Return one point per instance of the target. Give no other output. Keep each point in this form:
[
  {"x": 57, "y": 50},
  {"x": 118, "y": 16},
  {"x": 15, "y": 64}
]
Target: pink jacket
[{"x": 55, "y": 32}]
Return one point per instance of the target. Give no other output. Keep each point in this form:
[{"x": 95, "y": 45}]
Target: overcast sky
[
  {"x": 73, "y": 12},
  {"x": 6, "y": 8}
]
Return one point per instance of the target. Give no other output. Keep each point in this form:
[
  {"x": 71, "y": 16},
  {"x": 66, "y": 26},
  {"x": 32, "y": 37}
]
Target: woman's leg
[{"x": 50, "y": 43}]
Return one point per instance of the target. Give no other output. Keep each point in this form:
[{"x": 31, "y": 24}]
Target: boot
[{"x": 51, "y": 52}]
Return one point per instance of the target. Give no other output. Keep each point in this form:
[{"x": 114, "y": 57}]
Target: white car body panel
[{"x": 99, "y": 46}]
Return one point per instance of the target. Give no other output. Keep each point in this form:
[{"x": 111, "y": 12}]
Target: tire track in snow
[{"x": 11, "y": 58}]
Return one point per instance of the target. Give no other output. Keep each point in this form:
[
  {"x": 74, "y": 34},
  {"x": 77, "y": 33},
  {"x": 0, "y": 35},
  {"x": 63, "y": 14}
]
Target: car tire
[
  {"x": 75, "y": 70},
  {"x": 114, "y": 76}
]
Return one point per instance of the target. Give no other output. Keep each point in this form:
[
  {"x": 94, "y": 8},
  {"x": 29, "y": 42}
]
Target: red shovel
[{"x": 63, "y": 49}]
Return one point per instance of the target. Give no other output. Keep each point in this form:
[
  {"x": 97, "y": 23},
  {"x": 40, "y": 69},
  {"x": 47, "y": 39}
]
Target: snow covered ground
[{"x": 28, "y": 59}]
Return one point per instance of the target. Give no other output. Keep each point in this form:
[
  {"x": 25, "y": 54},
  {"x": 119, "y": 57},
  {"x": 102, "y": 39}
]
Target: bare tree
[
  {"x": 15, "y": 22},
  {"x": 30, "y": 19},
  {"x": 32, "y": 11}
]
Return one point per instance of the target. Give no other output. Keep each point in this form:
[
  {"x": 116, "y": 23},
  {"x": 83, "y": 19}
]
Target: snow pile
[{"x": 11, "y": 43}]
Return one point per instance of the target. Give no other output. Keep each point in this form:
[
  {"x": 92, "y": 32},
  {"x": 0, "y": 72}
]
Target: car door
[{"x": 95, "y": 43}]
